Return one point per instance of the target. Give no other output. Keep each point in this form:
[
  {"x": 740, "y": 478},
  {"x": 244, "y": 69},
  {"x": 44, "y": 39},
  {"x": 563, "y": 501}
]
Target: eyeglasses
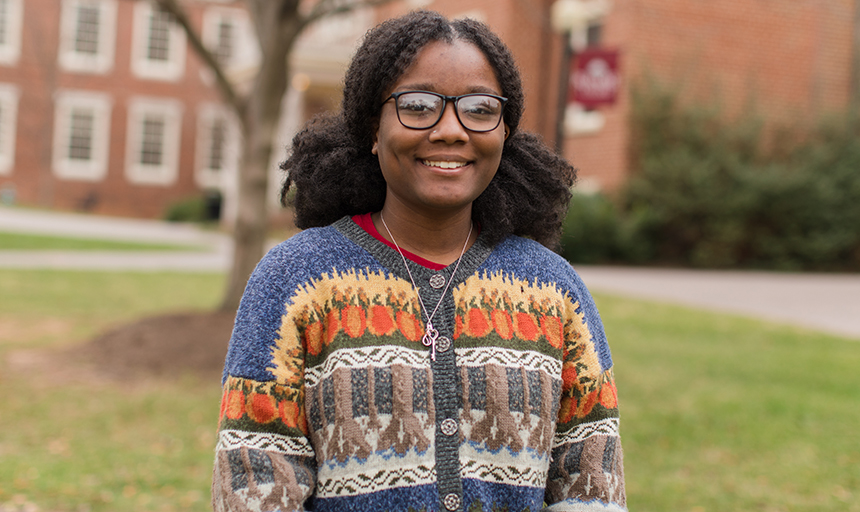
[{"x": 420, "y": 110}]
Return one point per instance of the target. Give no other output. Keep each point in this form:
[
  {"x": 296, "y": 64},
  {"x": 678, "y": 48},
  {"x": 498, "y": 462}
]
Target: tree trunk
[
  {"x": 260, "y": 122},
  {"x": 498, "y": 428},
  {"x": 278, "y": 24},
  {"x": 347, "y": 438},
  {"x": 249, "y": 231},
  {"x": 404, "y": 432}
]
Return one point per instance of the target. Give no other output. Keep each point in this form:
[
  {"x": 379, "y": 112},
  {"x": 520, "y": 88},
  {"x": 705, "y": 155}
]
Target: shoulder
[
  {"x": 528, "y": 261},
  {"x": 299, "y": 263},
  {"x": 309, "y": 254},
  {"x": 525, "y": 261},
  {"x": 307, "y": 244},
  {"x": 532, "y": 261}
]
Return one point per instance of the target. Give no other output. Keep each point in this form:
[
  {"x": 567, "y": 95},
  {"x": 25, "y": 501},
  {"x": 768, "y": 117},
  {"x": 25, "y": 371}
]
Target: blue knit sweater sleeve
[
  {"x": 264, "y": 458},
  {"x": 282, "y": 271}
]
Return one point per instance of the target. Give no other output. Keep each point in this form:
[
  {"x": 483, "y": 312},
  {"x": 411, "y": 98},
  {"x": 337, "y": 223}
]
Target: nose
[{"x": 449, "y": 129}]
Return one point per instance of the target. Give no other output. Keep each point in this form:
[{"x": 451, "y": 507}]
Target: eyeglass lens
[{"x": 477, "y": 112}]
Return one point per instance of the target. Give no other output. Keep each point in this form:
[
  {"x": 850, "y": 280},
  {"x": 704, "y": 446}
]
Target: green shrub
[
  {"x": 714, "y": 193},
  {"x": 202, "y": 208},
  {"x": 590, "y": 231},
  {"x": 596, "y": 231},
  {"x": 187, "y": 210}
]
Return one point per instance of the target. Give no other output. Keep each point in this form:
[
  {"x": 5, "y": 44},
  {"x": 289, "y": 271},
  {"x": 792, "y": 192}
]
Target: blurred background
[
  {"x": 716, "y": 217},
  {"x": 717, "y": 134}
]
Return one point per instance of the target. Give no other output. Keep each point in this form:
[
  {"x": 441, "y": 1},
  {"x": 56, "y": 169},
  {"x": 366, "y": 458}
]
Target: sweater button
[
  {"x": 449, "y": 427},
  {"x": 437, "y": 281},
  {"x": 451, "y": 502},
  {"x": 443, "y": 344}
]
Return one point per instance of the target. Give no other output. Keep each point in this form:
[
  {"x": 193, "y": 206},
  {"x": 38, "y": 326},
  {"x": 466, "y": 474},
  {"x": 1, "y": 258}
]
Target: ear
[
  {"x": 507, "y": 131},
  {"x": 375, "y": 148}
]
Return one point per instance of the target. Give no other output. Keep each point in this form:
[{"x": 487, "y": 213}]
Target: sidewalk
[
  {"x": 826, "y": 302},
  {"x": 213, "y": 255}
]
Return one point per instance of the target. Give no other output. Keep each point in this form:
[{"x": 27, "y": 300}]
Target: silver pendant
[{"x": 429, "y": 339}]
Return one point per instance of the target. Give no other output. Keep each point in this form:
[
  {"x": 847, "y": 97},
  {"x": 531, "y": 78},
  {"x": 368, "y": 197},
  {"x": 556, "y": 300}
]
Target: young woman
[{"x": 419, "y": 347}]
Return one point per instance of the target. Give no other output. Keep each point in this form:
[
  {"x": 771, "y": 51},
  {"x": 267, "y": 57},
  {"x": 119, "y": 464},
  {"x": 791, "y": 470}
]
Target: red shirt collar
[{"x": 366, "y": 223}]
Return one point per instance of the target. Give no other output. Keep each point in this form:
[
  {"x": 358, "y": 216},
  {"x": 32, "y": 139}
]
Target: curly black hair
[{"x": 335, "y": 173}]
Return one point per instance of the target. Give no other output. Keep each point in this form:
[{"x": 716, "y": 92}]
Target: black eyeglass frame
[{"x": 445, "y": 100}]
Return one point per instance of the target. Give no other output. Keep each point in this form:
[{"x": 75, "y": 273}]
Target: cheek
[
  {"x": 399, "y": 146},
  {"x": 388, "y": 132},
  {"x": 392, "y": 160},
  {"x": 493, "y": 152}
]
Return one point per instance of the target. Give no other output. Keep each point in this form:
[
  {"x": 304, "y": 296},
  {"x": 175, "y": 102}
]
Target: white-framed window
[
  {"x": 158, "y": 44},
  {"x": 81, "y": 135},
  {"x": 9, "y": 95},
  {"x": 153, "y": 141},
  {"x": 87, "y": 35},
  {"x": 218, "y": 146},
  {"x": 11, "y": 21},
  {"x": 229, "y": 34}
]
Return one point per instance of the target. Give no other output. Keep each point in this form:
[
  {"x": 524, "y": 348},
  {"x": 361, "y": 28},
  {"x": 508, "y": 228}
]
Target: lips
[{"x": 444, "y": 164}]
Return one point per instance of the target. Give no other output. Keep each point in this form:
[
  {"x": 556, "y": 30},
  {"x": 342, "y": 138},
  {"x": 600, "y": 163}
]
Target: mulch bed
[{"x": 166, "y": 346}]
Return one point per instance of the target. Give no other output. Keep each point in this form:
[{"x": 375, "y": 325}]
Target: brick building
[
  {"x": 108, "y": 108},
  {"x": 787, "y": 61},
  {"x": 104, "y": 107}
]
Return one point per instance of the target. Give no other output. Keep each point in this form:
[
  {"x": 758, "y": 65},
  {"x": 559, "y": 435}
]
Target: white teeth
[{"x": 444, "y": 165}]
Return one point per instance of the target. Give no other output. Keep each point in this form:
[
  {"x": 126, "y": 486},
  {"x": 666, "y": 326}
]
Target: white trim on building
[
  {"x": 580, "y": 121},
  {"x": 153, "y": 141},
  {"x": 9, "y": 95},
  {"x": 11, "y": 21},
  {"x": 158, "y": 44},
  {"x": 81, "y": 135},
  {"x": 229, "y": 34},
  {"x": 218, "y": 147},
  {"x": 87, "y": 35}
]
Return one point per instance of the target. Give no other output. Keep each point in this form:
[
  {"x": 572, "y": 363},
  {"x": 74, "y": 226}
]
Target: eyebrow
[{"x": 430, "y": 88}]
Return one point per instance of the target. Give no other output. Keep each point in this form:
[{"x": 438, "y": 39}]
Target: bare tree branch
[
  {"x": 224, "y": 85},
  {"x": 278, "y": 24}
]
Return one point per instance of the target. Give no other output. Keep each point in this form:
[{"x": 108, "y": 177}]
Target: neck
[{"x": 439, "y": 240}]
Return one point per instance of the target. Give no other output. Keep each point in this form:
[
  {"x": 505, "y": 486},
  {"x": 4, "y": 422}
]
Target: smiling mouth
[{"x": 444, "y": 165}]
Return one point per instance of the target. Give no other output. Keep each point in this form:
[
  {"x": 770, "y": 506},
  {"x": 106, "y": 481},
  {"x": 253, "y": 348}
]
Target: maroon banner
[{"x": 594, "y": 78}]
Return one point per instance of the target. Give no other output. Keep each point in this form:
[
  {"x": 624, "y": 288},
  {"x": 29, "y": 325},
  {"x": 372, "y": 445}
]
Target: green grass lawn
[
  {"x": 101, "y": 447},
  {"x": 28, "y": 242},
  {"x": 719, "y": 413}
]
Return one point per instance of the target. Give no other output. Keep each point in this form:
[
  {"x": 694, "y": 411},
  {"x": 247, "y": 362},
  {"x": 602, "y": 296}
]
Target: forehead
[{"x": 454, "y": 68}]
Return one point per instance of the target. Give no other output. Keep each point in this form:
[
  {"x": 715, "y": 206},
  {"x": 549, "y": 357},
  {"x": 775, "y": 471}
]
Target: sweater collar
[{"x": 390, "y": 258}]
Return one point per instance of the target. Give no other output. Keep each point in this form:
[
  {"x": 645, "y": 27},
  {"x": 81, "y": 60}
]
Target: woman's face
[{"x": 444, "y": 168}]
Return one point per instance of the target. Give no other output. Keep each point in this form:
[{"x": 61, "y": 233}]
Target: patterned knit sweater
[{"x": 332, "y": 402}]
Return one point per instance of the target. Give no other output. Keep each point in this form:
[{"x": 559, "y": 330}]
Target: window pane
[
  {"x": 216, "y": 149},
  {"x": 81, "y": 134},
  {"x": 87, "y": 30},
  {"x": 152, "y": 148},
  {"x": 594, "y": 35},
  {"x": 224, "y": 50},
  {"x": 4, "y": 21},
  {"x": 2, "y": 125},
  {"x": 159, "y": 36}
]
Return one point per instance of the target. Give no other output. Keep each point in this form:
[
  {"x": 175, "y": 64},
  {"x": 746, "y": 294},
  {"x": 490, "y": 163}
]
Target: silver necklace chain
[{"x": 430, "y": 333}]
